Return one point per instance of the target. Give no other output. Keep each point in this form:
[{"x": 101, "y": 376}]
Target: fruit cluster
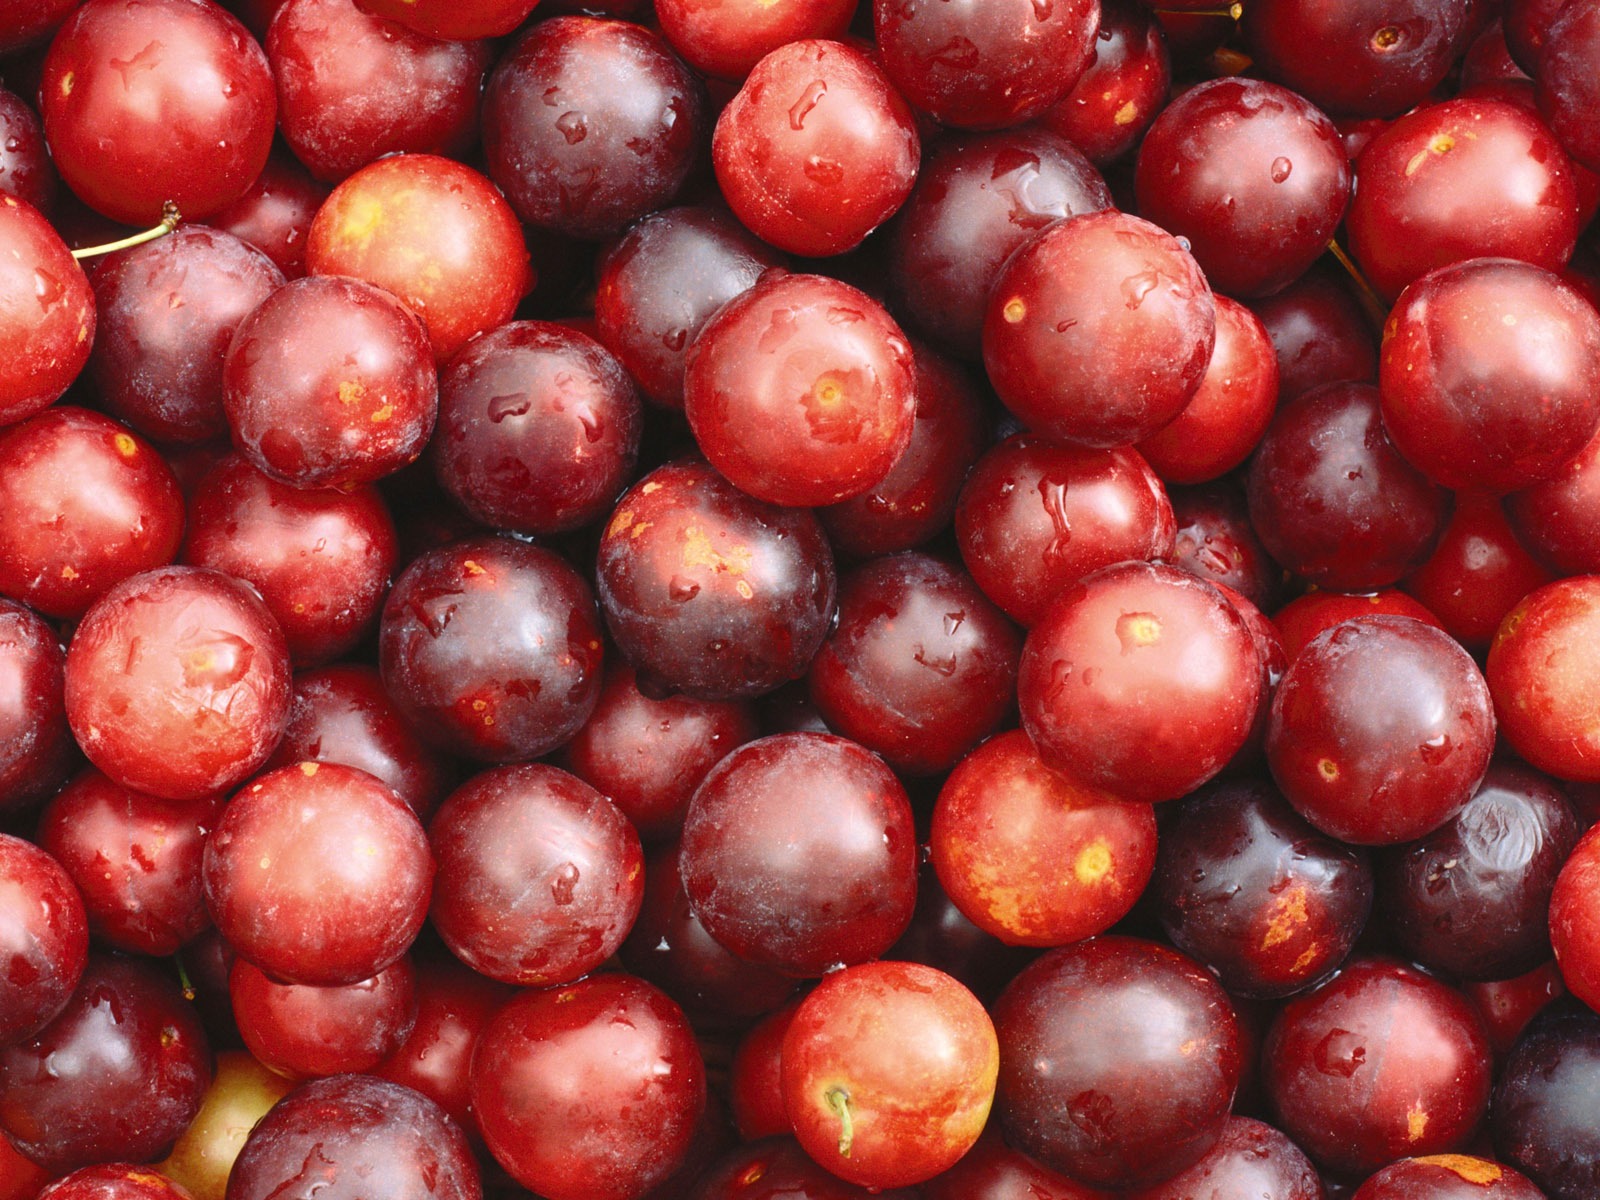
[{"x": 754, "y": 599}]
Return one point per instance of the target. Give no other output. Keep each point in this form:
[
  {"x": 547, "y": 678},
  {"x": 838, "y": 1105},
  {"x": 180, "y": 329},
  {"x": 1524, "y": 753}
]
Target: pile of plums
[{"x": 799, "y": 599}]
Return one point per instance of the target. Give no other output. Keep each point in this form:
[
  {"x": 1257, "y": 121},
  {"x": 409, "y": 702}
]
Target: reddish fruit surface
[
  {"x": 1004, "y": 827},
  {"x": 1543, "y": 683},
  {"x": 267, "y": 878},
  {"x": 435, "y": 233},
  {"x": 1381, "y": 730},
  {"x": 1098, "y": 332},
  {"x": 85, "y": 503},
  {"x": 135, "y": 122},
  {"x": 1141, "y": 681},
  {"x": 816, "y": 150},
  {"x": 801, "y": 391},
  {"x": 889, "y": 1072},
  {"x": 778, "y": 884},
  {"x": 1382, "y": 1062},
  {"x": 1118, "y": 1061},
  {"x": 177, "y": 682},
  {"x": 47, "y": 313},
  {"x": 540, "y": 876},
  {"x": 590, "y": 1091}
]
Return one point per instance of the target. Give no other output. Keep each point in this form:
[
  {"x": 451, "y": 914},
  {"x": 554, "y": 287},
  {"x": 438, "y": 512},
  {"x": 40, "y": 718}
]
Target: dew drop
[
  {"x": 801, "y": 109},
  {"x": 1280, "y": 169},
  {"x": 574, "y": 126}
]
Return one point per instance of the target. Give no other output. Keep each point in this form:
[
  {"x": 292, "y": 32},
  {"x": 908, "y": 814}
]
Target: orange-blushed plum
[
  {"x": 1380, "y": 1062},
  {"x": 1575, "y": 921},
  {"x": 889, "y": 1072},
  {"x": 589, "y": 1091},
  {"x": 817, "y": 149},
  {"x": 726, "y": 38},
  {"x": 330, "y": 382},
  {"x": 1225, "y": 418},
  {"x": 1119, "y": 1059},
  {"x": 1035, "y": 516},
  {"x": 1544, "y": 674},
  {"x": 331, "y": 906},
  {"x": 1099, "y": 330},
  {"x": 241, "y": 1092},
  {"x": 47, "y": 312},
  {"x": 1381, "y": 730},
  {"x": 434, "y": 232},
  {"x": 1245, "y": 885},
  {"x": 135, "y": 121},
  {"x": 177, "y": 682},
  {"x": 802, "y": 391},
  {"x": 1033, "y": 857},
  {"x": 1141, "y": 681},
  {"x": 454, "y": 20},
  {"x": 84, "y": 503},
  {"x": 1448, "y": 1177}
]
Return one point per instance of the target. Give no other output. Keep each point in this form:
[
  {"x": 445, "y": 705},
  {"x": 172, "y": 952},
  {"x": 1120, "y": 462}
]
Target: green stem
[
  {"x": 839, "y": 1102},
  {"x": 170, "y": 217}
]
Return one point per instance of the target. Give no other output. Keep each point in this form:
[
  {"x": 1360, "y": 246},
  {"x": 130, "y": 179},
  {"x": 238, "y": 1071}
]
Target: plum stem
[
  {"x": 1376, "y": 309},
  {"x": 1231, "y": 11},
  {"x": 839, "y": 1102},
  {"x": 170, "y": 217},
  {"x": 184, "y": 980}
]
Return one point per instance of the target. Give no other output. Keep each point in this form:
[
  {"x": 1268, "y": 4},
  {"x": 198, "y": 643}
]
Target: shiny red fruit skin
[
  {"x": 47, "y": 313},
  {"x": 178, "y": 682},
  {"x": 1141, "y": 680},
  {"x": 910, "y": 1054},
  {"x": 150, "y": 101},
  {"x": 589, "y": 1091}
]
